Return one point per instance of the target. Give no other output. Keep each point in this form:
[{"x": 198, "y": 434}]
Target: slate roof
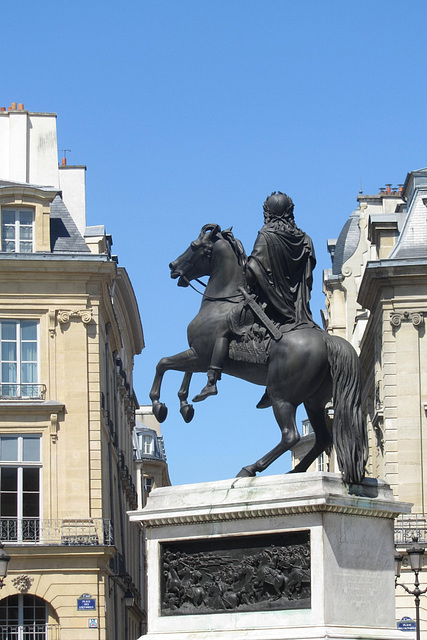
[
  {"x": 64, "y": 234},
  {"x": 412, "y": 241},
  {"x": 347, "y": 243}
]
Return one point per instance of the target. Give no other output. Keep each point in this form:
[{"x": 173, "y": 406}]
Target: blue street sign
[
  {"x": 407, "y": 624},
  {"x": 86, "y": 604}
]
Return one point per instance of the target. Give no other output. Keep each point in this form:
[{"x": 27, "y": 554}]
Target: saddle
[
  {"x": 251, "y": 340},
  {"x": 252, "y": 348}
]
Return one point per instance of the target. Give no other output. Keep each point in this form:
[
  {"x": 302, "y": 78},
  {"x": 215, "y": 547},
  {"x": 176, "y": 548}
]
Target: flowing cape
[{"x": 282, "y": 262}]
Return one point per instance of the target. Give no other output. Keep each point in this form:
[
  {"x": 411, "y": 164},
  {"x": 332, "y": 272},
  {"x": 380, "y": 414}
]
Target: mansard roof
[
  {"x": 412, "y": 241},
  {"x": 64, "y": 234},
  {"x": 347, "y": 243}
]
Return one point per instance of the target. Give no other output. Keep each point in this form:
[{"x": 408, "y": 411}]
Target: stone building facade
[
  {"x": 69, "y": 330},
  {"x": 376, "y": 297}
]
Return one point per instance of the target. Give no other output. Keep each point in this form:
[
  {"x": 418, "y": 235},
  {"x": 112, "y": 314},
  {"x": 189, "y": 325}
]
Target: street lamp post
[{"x": 415, "y": 555}]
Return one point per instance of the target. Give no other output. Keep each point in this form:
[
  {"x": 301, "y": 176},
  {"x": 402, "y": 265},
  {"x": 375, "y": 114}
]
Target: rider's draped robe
[{"x": 282, "y": 262}]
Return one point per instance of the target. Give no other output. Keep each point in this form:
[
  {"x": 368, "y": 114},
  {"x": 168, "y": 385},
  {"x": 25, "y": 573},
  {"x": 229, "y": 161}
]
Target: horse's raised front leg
[
  {"x": 284, "y": 412},
  {"x": 186, "y": 361},
  {"x": 186, "y": 410}
]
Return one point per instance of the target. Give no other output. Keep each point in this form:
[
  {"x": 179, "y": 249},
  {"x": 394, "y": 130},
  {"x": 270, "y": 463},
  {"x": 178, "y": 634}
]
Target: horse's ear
[{"x": 213, "y": 228}]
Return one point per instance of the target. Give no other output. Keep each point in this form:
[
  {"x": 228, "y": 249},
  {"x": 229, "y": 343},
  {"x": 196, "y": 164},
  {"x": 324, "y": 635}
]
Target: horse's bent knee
[{"x": 162, "y": 366}]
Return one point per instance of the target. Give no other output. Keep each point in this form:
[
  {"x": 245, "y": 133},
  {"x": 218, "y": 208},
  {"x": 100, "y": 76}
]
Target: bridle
[{"x": 210, "y": 298}]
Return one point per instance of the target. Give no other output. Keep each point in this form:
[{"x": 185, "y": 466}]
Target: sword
[{"x": 260, "y": 314}]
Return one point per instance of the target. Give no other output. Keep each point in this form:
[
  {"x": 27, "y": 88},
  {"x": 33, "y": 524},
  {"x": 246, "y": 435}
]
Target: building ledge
[{"x": 36, "y": 406}]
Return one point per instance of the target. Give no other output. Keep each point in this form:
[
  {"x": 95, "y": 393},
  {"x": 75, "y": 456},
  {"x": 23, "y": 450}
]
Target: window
[
  {"x": 23, "y": 617},
  {"x": 148, "y": 484},
  {"x": 147, "y": 445},
  {"x": 20, "y": 482},
  {"x": 17, "y": 230},
  {"x": 307, "y": 429},
  {"x": 320, "y": 462},
  {"x": 19, "y": 365}
]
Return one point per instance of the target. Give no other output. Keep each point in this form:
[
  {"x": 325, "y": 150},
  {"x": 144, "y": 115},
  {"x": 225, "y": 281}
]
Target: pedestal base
[{"x": 273, "y": 558}]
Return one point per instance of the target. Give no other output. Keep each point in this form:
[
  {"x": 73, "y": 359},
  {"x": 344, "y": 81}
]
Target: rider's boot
[
  {"x": 265, "y": 401},
  {"x": 214, "y": 374}
]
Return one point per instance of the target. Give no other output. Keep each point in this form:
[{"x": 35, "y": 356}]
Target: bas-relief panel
[{"x": 255, "y": 573}]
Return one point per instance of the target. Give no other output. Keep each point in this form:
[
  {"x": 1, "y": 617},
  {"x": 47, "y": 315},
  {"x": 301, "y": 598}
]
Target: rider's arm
[{"x": 250, "y": 276}]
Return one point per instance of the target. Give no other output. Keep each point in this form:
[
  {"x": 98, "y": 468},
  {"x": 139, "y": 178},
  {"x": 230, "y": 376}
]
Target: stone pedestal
[{"x": 339, "y": 538}]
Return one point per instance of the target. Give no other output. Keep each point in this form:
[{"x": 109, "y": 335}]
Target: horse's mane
[{"x": 236, "y": 245}]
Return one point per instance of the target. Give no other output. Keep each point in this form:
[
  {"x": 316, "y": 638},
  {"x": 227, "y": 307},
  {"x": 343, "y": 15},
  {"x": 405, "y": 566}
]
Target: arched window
[{"x": 25, "y": 617}]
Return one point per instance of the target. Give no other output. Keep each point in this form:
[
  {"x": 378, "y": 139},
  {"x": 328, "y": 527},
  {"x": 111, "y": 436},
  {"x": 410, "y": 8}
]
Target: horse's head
[{"x": 195, "y": 261}]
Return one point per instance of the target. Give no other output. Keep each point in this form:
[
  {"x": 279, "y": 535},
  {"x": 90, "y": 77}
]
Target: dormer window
[
  {"x": 147, "y": 445},
  {"x": 17, "y": 232}
]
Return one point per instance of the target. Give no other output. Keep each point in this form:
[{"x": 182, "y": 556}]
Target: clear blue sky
[{"x": 191, "y": 112}]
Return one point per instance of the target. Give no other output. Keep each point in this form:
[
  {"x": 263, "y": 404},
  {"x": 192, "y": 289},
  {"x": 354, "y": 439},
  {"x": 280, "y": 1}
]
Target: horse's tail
[{"x": 349, "y": 429}]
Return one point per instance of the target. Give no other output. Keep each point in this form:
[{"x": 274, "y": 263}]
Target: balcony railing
[
  {"x": 406, "y": 527},
  {"x": 28, "y": 391},
  {"x": 29, "y": 632},
  {"x": 71, "y": 531}
]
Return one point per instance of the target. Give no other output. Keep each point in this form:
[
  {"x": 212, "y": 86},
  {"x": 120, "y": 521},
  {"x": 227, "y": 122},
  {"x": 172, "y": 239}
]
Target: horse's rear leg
[
  {"x": 284, "y": 412},
  {"x": 323, "y": 439},
  {"x": 186, "y": 410}
]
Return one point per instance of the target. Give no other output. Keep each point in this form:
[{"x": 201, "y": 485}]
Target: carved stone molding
[
  {"x": 416, "y": 317},
  {"x": 347, "y": 271},
  {"x": 54, "y": 427},
  {"x": 22, "y": 583},
  {"x": 52, "y": 322},
  {"x": 64, "y": 316}
]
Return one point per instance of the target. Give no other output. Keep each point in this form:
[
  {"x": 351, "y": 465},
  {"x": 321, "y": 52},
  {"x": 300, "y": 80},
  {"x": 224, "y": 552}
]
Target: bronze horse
[{"x": 306, "y": 366}]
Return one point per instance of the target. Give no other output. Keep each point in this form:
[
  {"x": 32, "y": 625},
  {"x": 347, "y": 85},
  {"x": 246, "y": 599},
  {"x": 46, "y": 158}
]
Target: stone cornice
[
  {"x": 27, "y": 193},
  {"x": 44, "y": 257},
  {"x": 272, "y": 496},
  {"x": 389, "y": 273},
  {"x": 35, "y": 407},
  {"x": 185, "y": 518}
]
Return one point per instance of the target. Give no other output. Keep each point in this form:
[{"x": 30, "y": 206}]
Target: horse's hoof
[
  {"x": 187, "y": 412},
  {"x": 160, "y": 411},
  {"x": 246, "y": 472}
]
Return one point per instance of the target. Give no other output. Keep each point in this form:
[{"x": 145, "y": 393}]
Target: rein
[{"x": 225, "y": 299}]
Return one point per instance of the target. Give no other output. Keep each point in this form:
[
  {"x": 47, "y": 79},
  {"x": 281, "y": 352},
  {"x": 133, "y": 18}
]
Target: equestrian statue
[{"x": 255, "y": 323}]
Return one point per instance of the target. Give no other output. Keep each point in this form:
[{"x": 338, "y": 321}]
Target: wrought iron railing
[
  {"x": 408, "y": 526},
  {"x": 69, "y": 531},
  {"x": 29, "y": 632},
  {"x": 28, "y": 391}
]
